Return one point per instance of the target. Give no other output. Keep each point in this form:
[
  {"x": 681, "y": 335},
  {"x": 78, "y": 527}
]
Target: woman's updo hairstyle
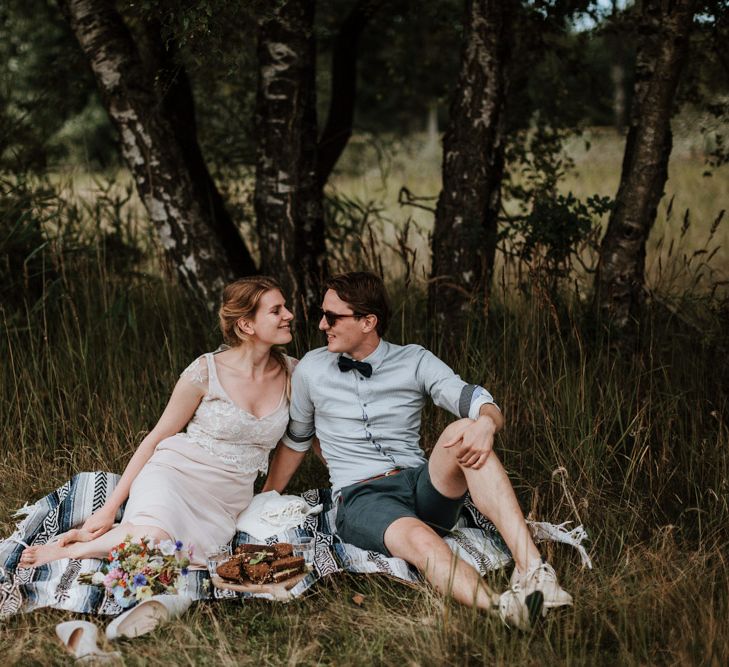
[{"x": 240, "y": 300}]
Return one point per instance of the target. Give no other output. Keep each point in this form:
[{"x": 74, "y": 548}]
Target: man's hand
[{"x": 475, "y": 442}]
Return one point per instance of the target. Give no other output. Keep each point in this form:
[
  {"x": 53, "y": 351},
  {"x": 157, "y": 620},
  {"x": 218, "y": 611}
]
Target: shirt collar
[{"x": 377, "y": 356}]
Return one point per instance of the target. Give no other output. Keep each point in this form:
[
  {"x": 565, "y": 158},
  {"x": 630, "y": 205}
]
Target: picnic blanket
[{"x": 56, "y": 584}]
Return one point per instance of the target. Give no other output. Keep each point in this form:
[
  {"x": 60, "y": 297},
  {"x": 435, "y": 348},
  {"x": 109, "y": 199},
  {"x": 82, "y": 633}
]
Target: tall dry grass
[
  {"x": 633, "y": 443},
  {"x": 374, "y": 171}
]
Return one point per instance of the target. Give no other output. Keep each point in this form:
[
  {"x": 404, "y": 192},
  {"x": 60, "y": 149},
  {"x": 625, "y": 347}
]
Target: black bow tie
[{"x": 346, "y": 364}]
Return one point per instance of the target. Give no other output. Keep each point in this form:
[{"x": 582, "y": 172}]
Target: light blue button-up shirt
[{"x": 367, "y": 426}]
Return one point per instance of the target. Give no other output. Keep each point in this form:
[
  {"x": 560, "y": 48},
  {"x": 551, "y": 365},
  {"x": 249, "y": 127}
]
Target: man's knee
[
  {"x": 446, "y": 460},
  {"x": 454, "y": 430},
  {"x": 414, "y": 541}
]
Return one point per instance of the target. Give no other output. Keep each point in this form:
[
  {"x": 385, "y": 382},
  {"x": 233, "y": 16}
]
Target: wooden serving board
[{"x": 280, "y": 591}]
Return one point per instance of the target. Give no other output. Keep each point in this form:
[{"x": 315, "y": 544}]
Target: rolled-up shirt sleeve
[
  {"x": 448, "y": 390},
  {"x": 480, "y": 397},
  {"x": 300, "y": 430}
]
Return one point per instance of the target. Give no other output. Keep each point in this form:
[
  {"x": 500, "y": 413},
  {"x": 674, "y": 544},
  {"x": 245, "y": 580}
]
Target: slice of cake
[
  {"x": 229, "y": 569},
  {"x": 283, "y": 550},
  {"x": 254, "y": 549},
  {"x": 285, "y": 568},
  {"x": 258, "y": 573}
]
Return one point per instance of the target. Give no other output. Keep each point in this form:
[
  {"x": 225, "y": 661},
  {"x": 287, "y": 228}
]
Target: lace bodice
[{"x": 227, "y": 431}]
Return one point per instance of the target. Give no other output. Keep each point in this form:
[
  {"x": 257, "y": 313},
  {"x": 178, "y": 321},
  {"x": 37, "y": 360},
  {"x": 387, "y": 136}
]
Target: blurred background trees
[{"x": 232, "y": 119}]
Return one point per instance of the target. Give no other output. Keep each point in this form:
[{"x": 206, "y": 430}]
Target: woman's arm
[{"x": 183, "y": 402}]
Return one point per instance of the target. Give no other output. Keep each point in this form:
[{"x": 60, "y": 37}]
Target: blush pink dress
[{"x": 197, "y": 482}]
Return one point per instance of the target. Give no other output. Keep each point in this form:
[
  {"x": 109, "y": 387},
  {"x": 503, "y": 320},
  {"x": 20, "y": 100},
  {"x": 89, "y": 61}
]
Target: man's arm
[
  {"x": 492, "y": 412},
  {"x": 470, "y": 401},
  {"x": 285, "y": 463},
  {"x": 299, "y": 434}
]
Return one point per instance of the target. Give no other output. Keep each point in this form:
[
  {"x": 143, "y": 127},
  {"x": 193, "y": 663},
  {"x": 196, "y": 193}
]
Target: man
[{"x": 362, "y": 397}]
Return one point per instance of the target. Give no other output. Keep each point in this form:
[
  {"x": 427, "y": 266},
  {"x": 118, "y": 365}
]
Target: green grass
[
  {"x": 643, "y": 440},
  {"x": 641, "y": 437}
]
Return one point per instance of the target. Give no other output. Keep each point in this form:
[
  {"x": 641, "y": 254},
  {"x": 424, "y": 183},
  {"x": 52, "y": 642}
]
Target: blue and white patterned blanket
[{"x": 56, "y": 584}]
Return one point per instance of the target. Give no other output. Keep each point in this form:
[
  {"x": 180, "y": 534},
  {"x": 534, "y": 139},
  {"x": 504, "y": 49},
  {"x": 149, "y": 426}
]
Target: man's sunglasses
[{"x": 332, "y": 318}]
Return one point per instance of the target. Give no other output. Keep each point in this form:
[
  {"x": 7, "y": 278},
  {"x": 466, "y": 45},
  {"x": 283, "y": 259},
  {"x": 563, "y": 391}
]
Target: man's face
[{"x": 346, "y": 334}]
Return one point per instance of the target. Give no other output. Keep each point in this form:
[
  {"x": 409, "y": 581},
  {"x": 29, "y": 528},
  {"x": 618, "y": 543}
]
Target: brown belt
[{"x": 389, "y": 473}]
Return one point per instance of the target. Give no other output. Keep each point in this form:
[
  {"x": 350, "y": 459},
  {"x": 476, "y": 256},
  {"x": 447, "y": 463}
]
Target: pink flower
[{"x": 113, "y": 577}]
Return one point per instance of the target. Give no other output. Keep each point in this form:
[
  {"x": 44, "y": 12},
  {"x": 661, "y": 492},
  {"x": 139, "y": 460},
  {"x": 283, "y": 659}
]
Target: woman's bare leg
[
  {"x": 98, "y": 548},
  {"x": 75, "y": 535}
]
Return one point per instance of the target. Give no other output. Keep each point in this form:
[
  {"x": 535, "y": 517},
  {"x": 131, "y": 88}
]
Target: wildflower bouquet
[{"x": 137, "y": 569}]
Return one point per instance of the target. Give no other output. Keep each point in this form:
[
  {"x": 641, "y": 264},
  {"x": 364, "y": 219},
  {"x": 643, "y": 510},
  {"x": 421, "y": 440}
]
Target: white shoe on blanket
[
  {"x": 79, "y": 637},
  {"x": 147, "y": 615}
]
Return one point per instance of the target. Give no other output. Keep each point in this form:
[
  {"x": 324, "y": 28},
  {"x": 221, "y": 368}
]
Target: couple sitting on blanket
[{"x": 361, "y": 396}]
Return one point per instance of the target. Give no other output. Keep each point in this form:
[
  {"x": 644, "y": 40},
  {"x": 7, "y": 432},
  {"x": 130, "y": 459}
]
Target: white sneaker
[
  {"x": 542, "y": 578},
  {"x": 517, "y": 610}
]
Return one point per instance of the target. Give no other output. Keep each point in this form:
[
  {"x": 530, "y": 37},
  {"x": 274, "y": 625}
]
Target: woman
[{"x": 191, "y": 485}]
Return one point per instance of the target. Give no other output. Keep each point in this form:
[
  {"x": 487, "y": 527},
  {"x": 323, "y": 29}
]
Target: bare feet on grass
[{"x": 42, "y": 554}]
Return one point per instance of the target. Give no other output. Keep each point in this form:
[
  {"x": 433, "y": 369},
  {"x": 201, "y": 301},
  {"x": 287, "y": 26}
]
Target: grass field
[
  {"x": 377, "y": 173},
  {"x": 641, "y": 435}
]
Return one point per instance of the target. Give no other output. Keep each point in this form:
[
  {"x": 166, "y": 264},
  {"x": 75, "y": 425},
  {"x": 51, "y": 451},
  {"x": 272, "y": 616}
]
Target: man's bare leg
[
  {"x": 418, "y": 544},
  {"x": 494, "y": 496},
  {"x": 35, "y": 556},
  {"x": 491, "y": 492}
]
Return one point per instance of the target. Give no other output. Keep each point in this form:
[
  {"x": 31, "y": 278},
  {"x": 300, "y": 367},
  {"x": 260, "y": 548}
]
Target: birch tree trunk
[
  {"x": 464, "y": 236},
  {"x": 150, "y": 148},
  {"x": 174, "y": 93},
  {"x": 664, "y": 34},
  {"x": 288, "y": 201}
]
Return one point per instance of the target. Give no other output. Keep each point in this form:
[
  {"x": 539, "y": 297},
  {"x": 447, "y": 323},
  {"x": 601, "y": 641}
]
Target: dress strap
[
  {"x": 291, "y": 363},
  {"x": 213, "y": 381}
]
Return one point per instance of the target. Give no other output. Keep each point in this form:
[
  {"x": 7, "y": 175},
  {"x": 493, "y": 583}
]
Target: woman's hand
[{"x": 96, "y": 525}]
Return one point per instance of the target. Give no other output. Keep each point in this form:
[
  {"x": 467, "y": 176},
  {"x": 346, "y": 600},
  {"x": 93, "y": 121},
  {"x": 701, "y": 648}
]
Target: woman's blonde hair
[{"x": 240, "y": 300}]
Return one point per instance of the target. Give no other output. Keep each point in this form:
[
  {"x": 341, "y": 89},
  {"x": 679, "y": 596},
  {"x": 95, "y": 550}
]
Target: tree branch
[{"x": 338, "y": 128}]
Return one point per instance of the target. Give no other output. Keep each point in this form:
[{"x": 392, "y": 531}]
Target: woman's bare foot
[
  {"x": 75, "y": 535},
  {"x": 42, "y": 554}
]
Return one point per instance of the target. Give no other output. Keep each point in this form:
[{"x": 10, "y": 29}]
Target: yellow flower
[{"x": 144, "y": 593}]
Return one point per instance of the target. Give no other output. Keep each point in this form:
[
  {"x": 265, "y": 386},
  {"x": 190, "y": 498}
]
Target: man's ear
[{"x": 370, "y": 323}]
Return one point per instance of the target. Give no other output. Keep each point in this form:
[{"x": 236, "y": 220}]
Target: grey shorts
[{"x": 367, "y": 509}]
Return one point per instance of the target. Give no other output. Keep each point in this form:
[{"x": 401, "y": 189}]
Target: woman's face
[{"x": 272, "y": 321}]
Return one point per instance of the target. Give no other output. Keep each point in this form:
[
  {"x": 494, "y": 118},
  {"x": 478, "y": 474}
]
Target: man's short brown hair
[{"x": 365, "y": 293}]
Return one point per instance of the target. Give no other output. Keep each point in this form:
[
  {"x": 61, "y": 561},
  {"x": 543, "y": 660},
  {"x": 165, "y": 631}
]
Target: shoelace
[{"x": 547, "y": 574}]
